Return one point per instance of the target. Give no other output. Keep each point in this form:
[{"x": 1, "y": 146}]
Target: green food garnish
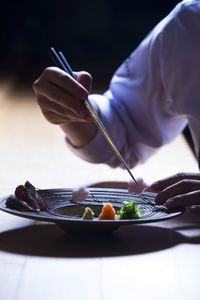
[
  {"x": 88, "y": 214},
  {"x": 129, "y": 211}
]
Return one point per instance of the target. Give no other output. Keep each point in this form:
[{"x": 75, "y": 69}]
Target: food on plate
[
  {"x": 26, "y": 198},
  {"x": 14, "y": 203},
  {"x": 129, "y": 211},
  {"x": 32, "y": 193},
  {"x": 88, "y": 214},
  {"x": 21, "y": 193},
  {"x": 138, "y": 187},
  {"x": 80, "y": 194},
  {"x": 107, "y": 213}
]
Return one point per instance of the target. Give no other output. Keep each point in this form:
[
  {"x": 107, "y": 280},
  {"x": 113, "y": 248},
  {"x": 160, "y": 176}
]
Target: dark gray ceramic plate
[{"x": 67, "y": 215}]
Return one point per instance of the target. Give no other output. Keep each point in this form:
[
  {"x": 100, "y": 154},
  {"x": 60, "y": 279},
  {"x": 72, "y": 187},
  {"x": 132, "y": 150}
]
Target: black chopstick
[
  {"x": 57, "y": 60},
  {"x": 61, "y": 62},
  {"x": 65, "y": 62}
]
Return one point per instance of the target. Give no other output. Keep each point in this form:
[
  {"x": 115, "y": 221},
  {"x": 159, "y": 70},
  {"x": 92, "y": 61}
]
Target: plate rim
[{"x": 50, "y": 217}]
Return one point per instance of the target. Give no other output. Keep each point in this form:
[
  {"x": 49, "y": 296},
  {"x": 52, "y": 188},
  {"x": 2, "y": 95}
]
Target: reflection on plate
[{"x": 67, "y": 215}]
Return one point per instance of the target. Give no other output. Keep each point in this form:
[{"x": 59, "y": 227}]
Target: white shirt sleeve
[{"x": 154, "y": 94}]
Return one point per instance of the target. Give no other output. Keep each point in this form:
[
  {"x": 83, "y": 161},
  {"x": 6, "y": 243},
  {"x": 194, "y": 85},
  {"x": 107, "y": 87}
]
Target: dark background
[{"x": 94, "y": 35}]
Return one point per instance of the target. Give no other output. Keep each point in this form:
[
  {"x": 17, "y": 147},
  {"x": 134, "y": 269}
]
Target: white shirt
[{"x": 154, "y": 94}]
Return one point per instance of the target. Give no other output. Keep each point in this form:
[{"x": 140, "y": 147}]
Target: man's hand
[
  {"x": 60, "y": 98},
  {"x": 180, "y": 190}
]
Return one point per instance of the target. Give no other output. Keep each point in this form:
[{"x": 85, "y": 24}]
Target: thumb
[{"x": 85, "y": 79}]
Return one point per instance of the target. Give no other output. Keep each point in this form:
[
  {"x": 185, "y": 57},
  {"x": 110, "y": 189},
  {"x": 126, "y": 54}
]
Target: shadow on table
[{"x": 48, "y": 240}]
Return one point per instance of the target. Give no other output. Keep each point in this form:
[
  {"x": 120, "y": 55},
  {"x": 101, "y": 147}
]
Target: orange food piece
[{"x": 107, "y": 213}]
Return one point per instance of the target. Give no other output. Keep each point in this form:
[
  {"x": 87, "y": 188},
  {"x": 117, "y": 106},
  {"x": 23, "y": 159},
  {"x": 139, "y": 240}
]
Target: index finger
[
  {"x": 61, "y": 79},
  {"x": 164, "y": 183},
  {"x": 188, "y": 199}
]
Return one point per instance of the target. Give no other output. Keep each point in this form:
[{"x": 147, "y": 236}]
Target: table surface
[{"x": 39, "y": 261}]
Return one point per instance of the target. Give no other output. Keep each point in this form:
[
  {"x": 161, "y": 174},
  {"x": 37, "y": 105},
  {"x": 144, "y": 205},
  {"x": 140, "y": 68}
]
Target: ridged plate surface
[{"x": 68, "y": 215}]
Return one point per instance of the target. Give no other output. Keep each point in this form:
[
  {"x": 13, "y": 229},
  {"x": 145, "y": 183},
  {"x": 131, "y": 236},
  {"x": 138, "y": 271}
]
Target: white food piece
[
  {"x": 80, "y": 194},
  {"x": 137, "y": 188}
]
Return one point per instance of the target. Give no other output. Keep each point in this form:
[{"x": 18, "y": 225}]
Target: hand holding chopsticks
[
  {"x": 61, "y": 97},
  {"x": 61, "y": 62}
]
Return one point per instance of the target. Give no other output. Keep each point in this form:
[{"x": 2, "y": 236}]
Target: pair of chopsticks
[{"x": 60, "y": 60}]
